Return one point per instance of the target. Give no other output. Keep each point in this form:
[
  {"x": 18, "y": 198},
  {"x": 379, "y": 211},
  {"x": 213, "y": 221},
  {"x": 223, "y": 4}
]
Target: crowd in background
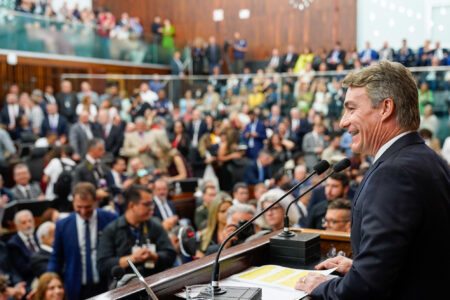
[{"x": 247, "y": 139}]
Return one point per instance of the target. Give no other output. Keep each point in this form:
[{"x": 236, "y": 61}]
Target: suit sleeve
[
  {"x": 56, "y": 261},
  {"x": 390, "y": 216},
  {"x": 106, "y": 254}
]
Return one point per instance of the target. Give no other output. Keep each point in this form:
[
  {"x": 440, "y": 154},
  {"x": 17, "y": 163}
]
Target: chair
[{"x": 36, "y": 163}]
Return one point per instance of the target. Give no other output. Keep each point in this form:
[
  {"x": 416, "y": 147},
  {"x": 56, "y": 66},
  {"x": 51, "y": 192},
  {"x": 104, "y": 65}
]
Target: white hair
[
  {"x": 44, "y": 230},
  {"x": 20, "y": 214},
  {"x": 239, "y": 208}
]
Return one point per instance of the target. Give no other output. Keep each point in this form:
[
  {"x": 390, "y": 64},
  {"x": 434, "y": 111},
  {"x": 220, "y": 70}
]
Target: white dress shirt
[{"x": 82, "y": 245}]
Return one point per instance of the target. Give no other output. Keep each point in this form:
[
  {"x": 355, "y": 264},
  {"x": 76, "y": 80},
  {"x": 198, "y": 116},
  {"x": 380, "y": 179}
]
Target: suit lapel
[{"x": 408, "y": 139}]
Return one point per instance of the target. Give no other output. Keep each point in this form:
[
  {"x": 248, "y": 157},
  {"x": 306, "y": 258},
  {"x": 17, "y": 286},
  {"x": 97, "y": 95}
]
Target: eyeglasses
[
  {"x": 333, "y": 222},
  {"x": 149, "y": 204}
]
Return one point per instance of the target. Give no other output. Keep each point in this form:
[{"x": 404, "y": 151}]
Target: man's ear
[{"x": 387, "y": 108}]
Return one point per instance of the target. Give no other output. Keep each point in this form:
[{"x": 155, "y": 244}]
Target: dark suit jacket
[
  {"x": 66, "y": 258},
  {"x": 39, "y": 262},
  {"x": 286, "y": 65},
  {"x": 67, "y": 104},
  {"x": 85, "y": 172},
  {"x": 112, "y": 184},
  {"x": 201, "y": 131},
  {"x": 61, "y": 129},
  {"x": 157, "y": 212},
  {"x": 20, "y": 258},
  {"x": 251, "y": 175},
  {"x": 213, "y": 54},
  {"x": 4, "y": 114},
  {"x": 400, "y": 225},
  {"x": 252, "y": 152},
  {"x": 114, "y": 140}
]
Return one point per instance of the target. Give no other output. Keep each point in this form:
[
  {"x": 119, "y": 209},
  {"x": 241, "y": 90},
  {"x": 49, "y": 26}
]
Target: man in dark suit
[
  {"x": 288, "y": 60},
  {"x": 401, "y": 211},
  {"x": 254, "y": 135},
  {"x": 92, "y": 170},
  {"x": 258, "y": 171},
  {"x": 67, "y": 101},
  {"x": 213, "y": 54},
  {"x": 335, "y": 56},
  {"x": 164, "y": 208},
  {"x": 54, "y": 122},
  {"x": 9, "y": 114},
  {"x": 74, "y": 256},
  {"x": 39, "y": 260},
  {"x": 80, "y": 133},
  {"x": 22, "y": 245},
  {"x": 111, "y": 134}
]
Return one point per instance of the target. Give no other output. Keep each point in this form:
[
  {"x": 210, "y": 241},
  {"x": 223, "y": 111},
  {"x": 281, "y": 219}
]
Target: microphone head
[
  {"x": 321, "y": 167},
  {"x": 117, "y": 272},
  {"x": 342, "y": 165}
]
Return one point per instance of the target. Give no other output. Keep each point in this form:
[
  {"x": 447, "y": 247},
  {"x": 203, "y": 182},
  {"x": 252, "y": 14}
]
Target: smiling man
[{"x": 401, "y": 212}]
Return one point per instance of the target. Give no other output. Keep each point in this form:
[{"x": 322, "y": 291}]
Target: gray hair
[
  {"x": 44, "y": 230},
  {"x": 240, "y": 208},
  {"x": 20, "y": 214},
  {"x": 390, "y": 80}
]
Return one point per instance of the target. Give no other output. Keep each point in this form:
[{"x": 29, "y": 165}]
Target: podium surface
[{"x": 233, "y": 260}]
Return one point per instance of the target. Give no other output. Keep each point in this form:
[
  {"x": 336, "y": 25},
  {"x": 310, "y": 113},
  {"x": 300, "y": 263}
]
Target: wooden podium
[{"x": 233, "y": 260}]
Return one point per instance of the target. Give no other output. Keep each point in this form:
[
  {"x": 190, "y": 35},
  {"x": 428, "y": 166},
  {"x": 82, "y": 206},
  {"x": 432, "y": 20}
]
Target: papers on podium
[{"x": 276, "y": 282}]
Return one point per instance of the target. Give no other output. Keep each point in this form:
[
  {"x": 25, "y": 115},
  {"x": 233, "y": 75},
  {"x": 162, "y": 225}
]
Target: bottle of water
[{"x": 178, "y": 188}]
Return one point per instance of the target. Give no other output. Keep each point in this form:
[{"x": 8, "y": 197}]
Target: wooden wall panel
[
  {"x": 273, "y": 23},
  {"x": 32, "y": 73}
]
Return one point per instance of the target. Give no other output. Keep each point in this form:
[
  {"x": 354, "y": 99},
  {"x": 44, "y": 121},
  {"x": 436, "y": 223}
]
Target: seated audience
[
  {"x": 39, "y": 260},
  {"x": 164, "y": 208},
  {"x": 49, "y": 287},
  {"x": 209, "y": 193},
  {"x": 240, "y": 193},
  {"x": 338, "y": 216},
  {"x": 24, "y": 189},
  {"x": 213, "y": 235}
]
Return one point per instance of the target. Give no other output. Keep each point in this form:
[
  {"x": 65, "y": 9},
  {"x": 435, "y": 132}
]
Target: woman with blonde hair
[
  {"x": 213, "y": 235},
  {"x": 50, "y": 287}
]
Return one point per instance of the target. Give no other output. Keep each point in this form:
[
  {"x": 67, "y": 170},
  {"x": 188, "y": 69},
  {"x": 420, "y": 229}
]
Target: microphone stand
[
  {"x": 341, "y": 165},
  {"x": 319, "y": 168}
]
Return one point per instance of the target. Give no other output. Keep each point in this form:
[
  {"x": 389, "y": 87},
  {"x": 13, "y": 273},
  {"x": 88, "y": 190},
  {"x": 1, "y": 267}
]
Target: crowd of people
[{"x": 124, "y": 155}]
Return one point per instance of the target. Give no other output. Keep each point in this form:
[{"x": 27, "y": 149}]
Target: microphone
[
  {"x": 291, "y": 250},
  {"x": 120, "y": 278},
  {"x": 336, "y": 168},
  {"x": 147, "y": 287},
  {"x": 319, "y": 168}
]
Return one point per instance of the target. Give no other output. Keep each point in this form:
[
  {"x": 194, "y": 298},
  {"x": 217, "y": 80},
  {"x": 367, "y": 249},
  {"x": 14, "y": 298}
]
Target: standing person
[
  {"x": 74, "y": 256},
  {"x": 136, "y": 236},
  {"x": 239, "y": 50},
  {"x": 400, "y": 203},
  {"x": 67, "y": 101},
  {"x": 168, "y": 32}
]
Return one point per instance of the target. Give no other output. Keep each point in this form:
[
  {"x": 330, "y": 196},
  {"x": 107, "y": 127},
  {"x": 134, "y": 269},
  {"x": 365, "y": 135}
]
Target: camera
[{"x": 246, "y": 233}]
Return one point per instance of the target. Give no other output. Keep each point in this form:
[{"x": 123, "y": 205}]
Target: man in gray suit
[
  {"x": 24, "y": 190},
  {"x": 80, "y": 134},
  {"x": 313, "y": 145}
]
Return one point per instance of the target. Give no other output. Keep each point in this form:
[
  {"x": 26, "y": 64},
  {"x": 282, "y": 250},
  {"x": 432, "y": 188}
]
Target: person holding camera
[{"x": 237, "y": 215}]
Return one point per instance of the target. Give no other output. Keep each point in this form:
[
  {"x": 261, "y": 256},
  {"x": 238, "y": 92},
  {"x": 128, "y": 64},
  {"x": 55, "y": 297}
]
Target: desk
[{"x": 233, "y": 260}]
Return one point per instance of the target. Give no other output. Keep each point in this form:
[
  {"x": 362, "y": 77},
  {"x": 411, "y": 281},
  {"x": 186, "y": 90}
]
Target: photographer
[{"x": 237, "y": 215}]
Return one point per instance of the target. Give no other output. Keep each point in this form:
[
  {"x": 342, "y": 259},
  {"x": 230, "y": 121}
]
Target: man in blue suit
[
  {"x": 401, "y": 212},
  {"x": 74, "y": 256},
  {"x": 254, "y": 135},
  {"x": 258, "y": 171}
]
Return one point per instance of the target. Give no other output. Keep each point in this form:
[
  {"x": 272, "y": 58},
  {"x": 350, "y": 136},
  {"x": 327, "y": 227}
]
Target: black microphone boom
[
  {"x": 319, "y": 168},
  {"x": 338, "y": 167}
]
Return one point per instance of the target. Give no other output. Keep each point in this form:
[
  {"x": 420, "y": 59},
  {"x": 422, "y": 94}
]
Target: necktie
[
  {"x": 87, "y": 236},
  {"x": 31, "y": 246},
  {"x": 260, "y": 174},
  {"x": 28, "y": 193}
]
